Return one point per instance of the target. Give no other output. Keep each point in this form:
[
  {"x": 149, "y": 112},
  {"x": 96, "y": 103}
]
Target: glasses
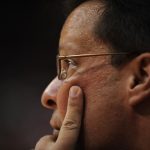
[{"x": 63, "y": 62}]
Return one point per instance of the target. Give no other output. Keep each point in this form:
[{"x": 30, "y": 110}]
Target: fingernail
[{"x": 74, "y": 91}]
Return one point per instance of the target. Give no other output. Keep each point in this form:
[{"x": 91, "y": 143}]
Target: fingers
[
  {"x": 70, "y": 129},
  {"x": 45, "y": 143},
  {"x": 67, "y": 137}
]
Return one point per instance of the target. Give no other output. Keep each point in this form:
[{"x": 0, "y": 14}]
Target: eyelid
[{"x": 70, "y": 61}]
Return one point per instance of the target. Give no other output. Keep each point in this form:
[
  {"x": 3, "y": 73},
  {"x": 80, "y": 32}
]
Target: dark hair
[{"x": 125, "y": 27}]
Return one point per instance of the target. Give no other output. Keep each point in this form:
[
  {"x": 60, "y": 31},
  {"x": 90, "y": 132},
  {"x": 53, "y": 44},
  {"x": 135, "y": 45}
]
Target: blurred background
[{"x": 29, "y": 37}]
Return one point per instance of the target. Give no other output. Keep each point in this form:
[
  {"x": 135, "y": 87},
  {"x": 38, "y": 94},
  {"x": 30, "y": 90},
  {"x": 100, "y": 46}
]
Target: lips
[
  {"x": 56, "y": 124},
  {"x": 55, "y": 121},
  {"x": 55, "y": 133}
]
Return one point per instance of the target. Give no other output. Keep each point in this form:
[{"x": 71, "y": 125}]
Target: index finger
[{"x": 70, "y": 129}]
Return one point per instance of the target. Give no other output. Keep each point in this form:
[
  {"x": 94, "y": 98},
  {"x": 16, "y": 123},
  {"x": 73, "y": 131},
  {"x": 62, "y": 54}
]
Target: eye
[{"x": 70, "y": 62}]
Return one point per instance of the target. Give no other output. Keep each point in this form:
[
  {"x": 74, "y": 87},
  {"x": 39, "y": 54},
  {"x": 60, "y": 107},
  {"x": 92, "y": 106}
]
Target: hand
[{"x": 69, "y": 132}]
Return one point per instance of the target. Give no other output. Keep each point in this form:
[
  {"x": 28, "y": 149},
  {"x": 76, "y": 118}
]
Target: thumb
[{"x": 70, "y": 129}]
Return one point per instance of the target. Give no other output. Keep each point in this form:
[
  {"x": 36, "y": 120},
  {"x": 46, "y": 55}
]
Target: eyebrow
[
  {"x": 60, "y": 49},
  {"x": 67, "y": 49}
]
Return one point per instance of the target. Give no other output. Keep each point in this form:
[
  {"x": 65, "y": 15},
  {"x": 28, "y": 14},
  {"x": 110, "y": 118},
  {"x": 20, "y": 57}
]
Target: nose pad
[{"x": 49, "y": 96}]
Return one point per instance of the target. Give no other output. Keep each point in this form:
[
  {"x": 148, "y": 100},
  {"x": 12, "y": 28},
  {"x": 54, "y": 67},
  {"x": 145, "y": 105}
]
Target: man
[{"x": 101, "y": 96}]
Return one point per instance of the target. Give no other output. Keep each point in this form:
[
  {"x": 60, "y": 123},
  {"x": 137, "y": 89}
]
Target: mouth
[
  {"x": 55, "y": 123},
  {"x": 55, "y": 134}
]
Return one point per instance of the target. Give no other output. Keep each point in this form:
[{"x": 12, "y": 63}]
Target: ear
[{"x": 139, "y": 89}]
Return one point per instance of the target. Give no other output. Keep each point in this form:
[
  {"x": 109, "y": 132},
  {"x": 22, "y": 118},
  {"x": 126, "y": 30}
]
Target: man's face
[{"x": 105, "y": 120}]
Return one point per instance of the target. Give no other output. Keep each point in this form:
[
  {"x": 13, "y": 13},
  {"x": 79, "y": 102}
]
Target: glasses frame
[{"x": 59, "y": 58}]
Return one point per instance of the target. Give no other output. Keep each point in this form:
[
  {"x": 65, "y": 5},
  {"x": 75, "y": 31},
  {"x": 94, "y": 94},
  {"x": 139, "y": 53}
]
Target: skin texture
[
  {"x": 70, "y": 128},
  {"x": 110, "y": 96}
]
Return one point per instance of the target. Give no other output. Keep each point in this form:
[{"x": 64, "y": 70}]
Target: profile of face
[{"x": 106, "y": 122}]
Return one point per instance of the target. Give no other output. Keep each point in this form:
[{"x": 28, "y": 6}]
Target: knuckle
[
  {"x": 73, "y": 103},
  {"x": 70, "y": 124}
]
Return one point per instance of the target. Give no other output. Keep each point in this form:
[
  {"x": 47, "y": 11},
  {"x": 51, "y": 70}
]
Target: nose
[{"x": 50, "y": 94}]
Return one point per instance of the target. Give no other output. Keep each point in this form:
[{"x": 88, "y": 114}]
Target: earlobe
[{"x": 139, "y": 89}]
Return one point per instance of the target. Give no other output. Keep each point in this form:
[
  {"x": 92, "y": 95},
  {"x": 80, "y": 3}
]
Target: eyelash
[{"x": 70, "y": 62}]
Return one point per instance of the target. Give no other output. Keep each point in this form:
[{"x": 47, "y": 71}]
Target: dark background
[{"x": 28, "y": 44}]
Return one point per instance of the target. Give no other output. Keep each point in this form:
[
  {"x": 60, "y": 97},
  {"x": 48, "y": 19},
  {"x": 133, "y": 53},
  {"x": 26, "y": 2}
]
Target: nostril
[{"x": 51, "y": 104}]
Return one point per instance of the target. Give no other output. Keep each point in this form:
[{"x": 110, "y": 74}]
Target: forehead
[{"x": 77, "y": 34}]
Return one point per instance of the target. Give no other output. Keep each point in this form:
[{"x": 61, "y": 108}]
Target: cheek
[{"x": 104, "y": 114}]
